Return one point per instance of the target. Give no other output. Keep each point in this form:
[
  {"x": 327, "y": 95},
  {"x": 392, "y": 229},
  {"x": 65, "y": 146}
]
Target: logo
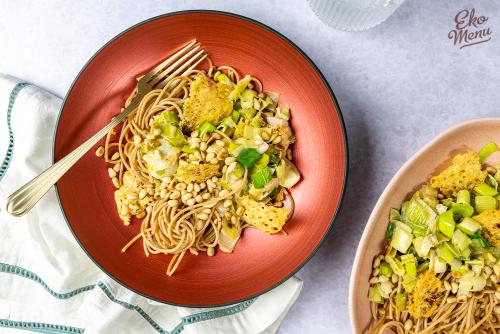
[{"x": 469, "y": 29}]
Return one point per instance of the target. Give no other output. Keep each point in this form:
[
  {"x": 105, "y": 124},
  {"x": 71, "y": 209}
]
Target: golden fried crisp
[
  {"x": 490, "y": 221},
  {"x": 197, "y": 173},
  {"x": 207, "y": 102},
  {"x": 266, "y": 218},
  {"x": 464, "y": 173},
  {"x": 426, "y": 296}
]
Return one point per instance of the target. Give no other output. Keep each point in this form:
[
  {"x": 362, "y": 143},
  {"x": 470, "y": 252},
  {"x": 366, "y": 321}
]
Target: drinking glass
[{"x": 354, "y": 15}]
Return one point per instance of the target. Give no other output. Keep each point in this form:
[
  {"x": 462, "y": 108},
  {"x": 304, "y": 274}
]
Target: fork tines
[{"x": 180, "y": 63}]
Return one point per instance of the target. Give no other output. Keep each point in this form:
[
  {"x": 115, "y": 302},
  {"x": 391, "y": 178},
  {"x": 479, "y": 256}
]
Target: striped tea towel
[{"x": 49, "y": 285}]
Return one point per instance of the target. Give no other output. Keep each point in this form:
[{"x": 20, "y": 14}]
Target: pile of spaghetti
[
  {"x": 440, "y": 271},
  {"x": 200, "y": 160}
]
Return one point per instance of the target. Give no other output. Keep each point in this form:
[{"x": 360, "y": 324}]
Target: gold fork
[{"x": 183, "y": 61}]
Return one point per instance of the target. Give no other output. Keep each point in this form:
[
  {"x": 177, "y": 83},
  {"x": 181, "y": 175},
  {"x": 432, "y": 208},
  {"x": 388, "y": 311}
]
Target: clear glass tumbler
[{"x": 354, "y": 15}]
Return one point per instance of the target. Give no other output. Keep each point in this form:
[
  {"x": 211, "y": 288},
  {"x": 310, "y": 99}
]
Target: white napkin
[{"x": 49, "y": 285}]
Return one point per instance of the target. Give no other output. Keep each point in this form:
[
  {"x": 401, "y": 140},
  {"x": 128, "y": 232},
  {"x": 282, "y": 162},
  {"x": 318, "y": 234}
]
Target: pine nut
[
  {"x": 376, "y": 271},
  {"x": 383, "y": 279},
  {"x": 394, "y": 278},
  {"x": 211, "y": 183},
  {"x": 220, "y": 143},
  {"x": 116, "y": 182},
  {"x": 137, "y": 139},
  {"x": 408, "y": 324},
  {"x": 196, "y": 188},
  {"x": 376, "y": 263},
  {"x": 180, "y": 186},
  {"x": 191, "y": 201},
  {"x": 111, "y": 172},
  {"x": 164, "y": 193},
  {"x": 227, "y": 203},
  {"x": 202, "y": 216},
  {"x": 203, "y": 146},
  {"x": 198, "y": 199},
  {"x": 115, "y": 156},
  {"x": 141, "y": 215},
  {"x": 210, "y": 251},
  {"x": 173, "y": 203},
  {"x": 210, "y": 156},
  {"x": 496, "y": 269},
  {"x": 373, "y": 280},
  {"x": 124, "y": 210},
  {"x": 203, "y": 185},
  {"x": 117, "y": 167},
  {"x": 175, "y": 194},
  {"x": 233, "y": 220},
  {"x": 454, "y": 287},
  {"x": 277, "y": 140},
  {"x": 229, "y": 160},
  {"x": 100, "y": 151},
  {"x": 190, "y": 187},
  {"x": 240, "y": 211},
  {"x": 265, "y": 136},
  {"x": 133, "y": 207},
  {"x": 205, "y": 196},
  {"x": 193, "y": 251},
  {"x": 142, "y": 193},
  {"x": 207, "y": 211},
  {"x": 221, "y": 155},
  {"x": 186, "y": 196},
  {"x": 131, "y": 196}
]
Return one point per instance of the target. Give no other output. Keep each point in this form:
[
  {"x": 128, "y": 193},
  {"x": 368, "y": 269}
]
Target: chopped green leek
[
  {"x": 409, "y": 283},
  {"x": 401, "y": 301},
  {"x": 485, "y": 203},
  {"x": 173, "y": 135},
  {"x": 462, "y": 209},
  {"x": 188, "y": 149},
  {"x": 460, "y": 240},
  {"x": 385, "y": 269},
  {"x": 482, "y": 242},
  {"x": 390, "y": 231},
  {"x": 463, "y": 196},
  {"x": 491, "y": 181},
  {"x": 240, "y": 87},
  {"x": 238, "y": 171},
  {"x": 401, "y": 239},
  {"x": 422, "y": 245},
  {"x": 374, "y": 295},
  {"x": 222, "y": 78},
  {"x": 274, "y": 160},
  {"x": 424, "y": 266},
  {"x": 261, "y": 177},
  {"x": 447, "y": 252},
  {"x": 485, "y": 190},
  {"x": 262, "y": 163},
  {"x": 396, "y": 266},
  {"x": 248, "y": 157},
  {"x": 446, "y": 224},
  {"x": 206, "y": 127},
  {"x": 394, "y": 214},
  {"x": 247, "y": 97},
  {"x": 410, "y": 263},
  {"x": 469, "y": 226},
  {"x": 235, "y": 116},
  {"x": 419, "y": 216},
  {"x": 487, "y": 149},
  {"x": 439, "y": 265}
]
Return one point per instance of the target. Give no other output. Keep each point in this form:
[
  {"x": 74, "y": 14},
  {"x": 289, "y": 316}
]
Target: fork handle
[{"x": 23, "y": 199}]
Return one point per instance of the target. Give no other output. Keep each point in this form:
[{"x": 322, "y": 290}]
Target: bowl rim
[
  {"x": 325, "y": 83},
  {"x": 370, "y": 224}
]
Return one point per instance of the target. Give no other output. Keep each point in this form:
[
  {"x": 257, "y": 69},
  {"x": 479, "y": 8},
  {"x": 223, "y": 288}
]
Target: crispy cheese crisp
[
  {"x": 464, "y": 173},
  {"x": 490, "y": 221},
  {"x": 426, "y": 296},
  {"x": 266, "y": 218},
  {"x": 197, "y": 173},
  {"x": 207, "y": 102}
]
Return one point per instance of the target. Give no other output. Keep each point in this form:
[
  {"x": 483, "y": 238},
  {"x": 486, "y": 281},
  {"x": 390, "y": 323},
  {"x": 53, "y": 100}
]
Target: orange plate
[{"x": 260, "y": 262}]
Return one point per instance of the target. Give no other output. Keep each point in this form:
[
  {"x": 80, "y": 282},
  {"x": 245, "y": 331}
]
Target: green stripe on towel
[
  {"x": 10, "y": 148},
  {"x": 39, "y": 327}
]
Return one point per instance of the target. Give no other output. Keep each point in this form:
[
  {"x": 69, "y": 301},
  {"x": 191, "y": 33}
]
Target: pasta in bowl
[{"x": 200, "y": 160}]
